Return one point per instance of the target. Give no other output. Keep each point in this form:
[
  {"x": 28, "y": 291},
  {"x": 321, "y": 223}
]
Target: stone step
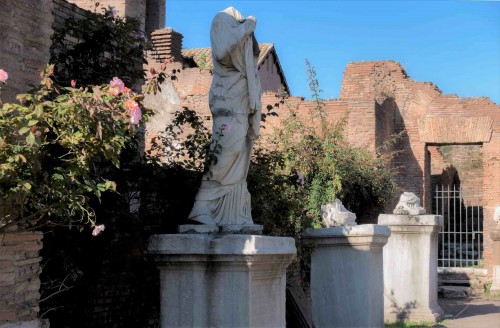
[
  {"x": 455, "y": 291},
  {"x": 454, "y": 282}
]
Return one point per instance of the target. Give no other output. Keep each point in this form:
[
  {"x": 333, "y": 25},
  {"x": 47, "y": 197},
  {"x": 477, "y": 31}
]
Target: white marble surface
[
  {"x": 495, "y": 286},
  {"x": 409, "y": 204},
  {"x": 335, "y": 214},
  {"x": 410, "y": 268},
  {"x": 222, "y": 280},
  {"x": 405, "y": 220},
  {"x": 347, "y": 275},
  {"x": 235, "y": 104}
]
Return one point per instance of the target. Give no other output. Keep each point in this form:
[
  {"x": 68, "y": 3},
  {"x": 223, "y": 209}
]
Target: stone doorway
[
  {"x": 461, "y": 242},
  {"x": 456, "y": 185}
]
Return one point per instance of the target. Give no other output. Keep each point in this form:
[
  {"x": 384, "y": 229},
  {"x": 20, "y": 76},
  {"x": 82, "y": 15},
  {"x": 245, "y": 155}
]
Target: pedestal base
[
  {"x": 410, "y": 268},
  {"x": 495, "y": 287},
  {"x": 222, "y": 280},
  {"x": 495, "y": 237},
  {"x": 409, "y": 313},
  {"x": 346, "y": 275},
  {"x": 237, "y": 229}
]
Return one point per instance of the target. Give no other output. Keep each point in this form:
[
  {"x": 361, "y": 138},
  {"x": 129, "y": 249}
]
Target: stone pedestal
[
  {"x": 222, "y": 280},
  {"x": 410, "y": 268},
  {"x": 346, "y": 275},
  {"x": 495, "y": 237}
]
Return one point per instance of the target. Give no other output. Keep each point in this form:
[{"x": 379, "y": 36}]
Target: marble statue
[
  {"x": 496, "y": 215},
  {"x": 409, "y": 204},
  {"x": 235, "y": 103},
  {"x": 335, "y": 214}
]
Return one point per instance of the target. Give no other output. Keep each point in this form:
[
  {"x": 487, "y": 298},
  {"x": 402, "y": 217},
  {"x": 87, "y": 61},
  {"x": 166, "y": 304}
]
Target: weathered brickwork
[
  {"x": 19, "y": 280},
  {"x": 380, "y": 99},
  {"x": 64, "y": 10},
  {"x": 431, "y": 118},
  {"x": 151, "y": 13},
  {"x": 25, "y": 31},
  {"x": 458, "y": 165}
]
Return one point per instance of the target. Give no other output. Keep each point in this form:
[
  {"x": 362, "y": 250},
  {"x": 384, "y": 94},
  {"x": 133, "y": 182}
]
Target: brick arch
[{"x": 455, "y": 129}]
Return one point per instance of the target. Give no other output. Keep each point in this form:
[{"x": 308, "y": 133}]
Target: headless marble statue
[{"x": 235, "y": 103}]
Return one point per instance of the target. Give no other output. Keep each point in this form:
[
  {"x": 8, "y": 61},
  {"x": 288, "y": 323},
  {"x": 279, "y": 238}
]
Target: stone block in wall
[
  {"x": 25, "y": 31},
  {"x": 19, "y": 279}
]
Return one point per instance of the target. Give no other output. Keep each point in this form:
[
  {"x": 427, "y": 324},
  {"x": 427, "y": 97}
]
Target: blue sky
[{"x": 454, "y": 44}]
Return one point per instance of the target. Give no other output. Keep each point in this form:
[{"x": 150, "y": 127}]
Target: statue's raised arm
[{"x": 235, "y": 103}]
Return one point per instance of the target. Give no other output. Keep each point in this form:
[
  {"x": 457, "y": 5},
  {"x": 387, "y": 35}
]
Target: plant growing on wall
[
  {"x": 97, "y": 47},
  {"x": 310, "y": 163}
]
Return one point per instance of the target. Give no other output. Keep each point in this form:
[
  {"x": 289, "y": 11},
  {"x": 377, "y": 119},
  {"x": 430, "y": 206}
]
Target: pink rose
[
  {"x": 114, "y": 91},
  {"x": 131, "y": 104},
  {"x": 116, "y": 82},
  {"x": 3, "y": 76},
  {"x": 98, "y": 229},
  {"x": 73, "y": 83},
  {"x": 135, "y": 116},
  {"x": 135, "y": 111}
]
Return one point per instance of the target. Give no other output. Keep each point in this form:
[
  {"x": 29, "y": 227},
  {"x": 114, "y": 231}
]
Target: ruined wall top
[{"x": 150, "y": 12}]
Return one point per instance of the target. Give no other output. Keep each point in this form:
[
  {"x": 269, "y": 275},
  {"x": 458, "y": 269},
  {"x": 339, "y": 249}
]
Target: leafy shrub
[
  {"x": 52, "y": 144},
  {"x": 97, "y": 47},
  {"x": 307, "y": 162}
]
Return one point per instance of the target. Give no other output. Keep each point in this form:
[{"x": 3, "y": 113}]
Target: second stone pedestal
[
  {"x": 222, "y": 280},
  {"x": 495, "y": 237},
  {"x": 410, "y": 268},
  {"x": 346, "y": 275}
]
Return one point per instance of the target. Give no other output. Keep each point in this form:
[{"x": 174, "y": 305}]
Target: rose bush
[{"x": 52, "y": 144}]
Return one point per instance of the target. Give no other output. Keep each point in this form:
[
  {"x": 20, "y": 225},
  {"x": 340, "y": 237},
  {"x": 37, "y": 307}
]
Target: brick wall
[
  {"x": 124, "y": 8},
  {"x": 380, "y": 99},
  {"x": 429, "y": 117},
  {"x": 19, "y": 280},
  {"x": 464, "y": 160},
  {"x": 64, "y": 10},
  {"x": 25, "y": 31},
  {"x": 151, "y": 13}
]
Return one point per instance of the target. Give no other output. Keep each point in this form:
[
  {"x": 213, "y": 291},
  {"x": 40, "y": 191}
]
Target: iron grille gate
[{"x": 461, "y": 239}]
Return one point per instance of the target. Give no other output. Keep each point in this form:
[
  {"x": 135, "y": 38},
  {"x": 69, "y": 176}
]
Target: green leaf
[
  {"x": 23, "y": 130},
  {"x": 30, "y": 139},
  {"x": 32, "y": 122},
  {"x": 57, "y": 176},
  {"x": 38, "y": 110}
]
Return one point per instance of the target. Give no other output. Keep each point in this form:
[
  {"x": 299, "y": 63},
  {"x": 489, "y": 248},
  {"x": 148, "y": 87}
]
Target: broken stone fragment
[
  {"x": 335, "y": 214},
  {"x": 409, "y": 204}
]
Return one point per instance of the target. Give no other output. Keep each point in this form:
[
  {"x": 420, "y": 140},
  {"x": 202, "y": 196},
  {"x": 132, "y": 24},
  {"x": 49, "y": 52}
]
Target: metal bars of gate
[{"x": 461, "y": 238}]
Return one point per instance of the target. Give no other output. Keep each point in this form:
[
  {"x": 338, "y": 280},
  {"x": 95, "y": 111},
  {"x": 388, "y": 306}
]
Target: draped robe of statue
[{"x": 235, "y": 103}]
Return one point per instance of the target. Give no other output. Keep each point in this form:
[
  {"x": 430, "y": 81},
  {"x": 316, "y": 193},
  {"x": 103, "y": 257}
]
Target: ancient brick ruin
[
  {"x": 381, "y": 100},
  {"x": 379, "y": 97}
]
